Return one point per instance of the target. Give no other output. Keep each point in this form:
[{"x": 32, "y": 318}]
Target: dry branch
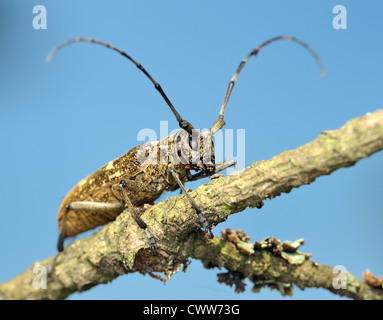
[{"x": 121, "y": 247}]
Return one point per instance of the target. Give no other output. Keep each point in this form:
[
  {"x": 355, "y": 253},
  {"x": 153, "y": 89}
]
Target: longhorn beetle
[{"x": 137, "y": 177}]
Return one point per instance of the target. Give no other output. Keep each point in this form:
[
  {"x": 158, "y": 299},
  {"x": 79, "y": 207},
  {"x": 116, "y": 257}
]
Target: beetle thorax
[{"x": 195, "y": 151}]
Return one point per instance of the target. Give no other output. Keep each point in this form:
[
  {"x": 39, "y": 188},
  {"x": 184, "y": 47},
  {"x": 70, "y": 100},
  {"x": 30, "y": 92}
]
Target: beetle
[{"x": 143, "y": 173}]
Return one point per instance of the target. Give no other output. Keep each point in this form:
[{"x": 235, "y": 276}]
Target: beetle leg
[
  {"x": 205, "y": 224},
  {"x": 220, "y": 166},
  {"x": 83, "y": 206},
  {"x": 136, "y": 217},
  {"x": 60, "y": 241}
]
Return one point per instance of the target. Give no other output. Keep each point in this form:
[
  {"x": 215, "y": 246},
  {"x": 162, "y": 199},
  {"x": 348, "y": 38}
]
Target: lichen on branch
[{"x": 278, "y": 265}]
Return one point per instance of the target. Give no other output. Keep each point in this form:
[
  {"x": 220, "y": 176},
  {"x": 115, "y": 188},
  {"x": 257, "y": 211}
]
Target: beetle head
[{"x": 195, "y": 151}]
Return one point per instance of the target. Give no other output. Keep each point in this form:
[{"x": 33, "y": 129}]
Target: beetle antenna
[
  {"x": 219, "y": 123},
  {"x": 182, "y": 123}
]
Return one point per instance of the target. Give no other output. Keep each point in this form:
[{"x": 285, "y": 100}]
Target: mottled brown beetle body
[{"x": 152, "y": 175}]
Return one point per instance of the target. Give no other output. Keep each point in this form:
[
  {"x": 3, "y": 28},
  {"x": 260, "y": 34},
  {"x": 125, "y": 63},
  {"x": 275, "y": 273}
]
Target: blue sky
[{"x": 60, "y": 122}]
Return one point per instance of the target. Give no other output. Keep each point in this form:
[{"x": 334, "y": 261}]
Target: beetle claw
[
  {"x": 208, "y": 233},
  {"x": 205, "y": 225}
]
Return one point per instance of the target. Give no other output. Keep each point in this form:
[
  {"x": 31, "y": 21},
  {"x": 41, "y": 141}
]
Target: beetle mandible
[{"x": 138, "y": 177}]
